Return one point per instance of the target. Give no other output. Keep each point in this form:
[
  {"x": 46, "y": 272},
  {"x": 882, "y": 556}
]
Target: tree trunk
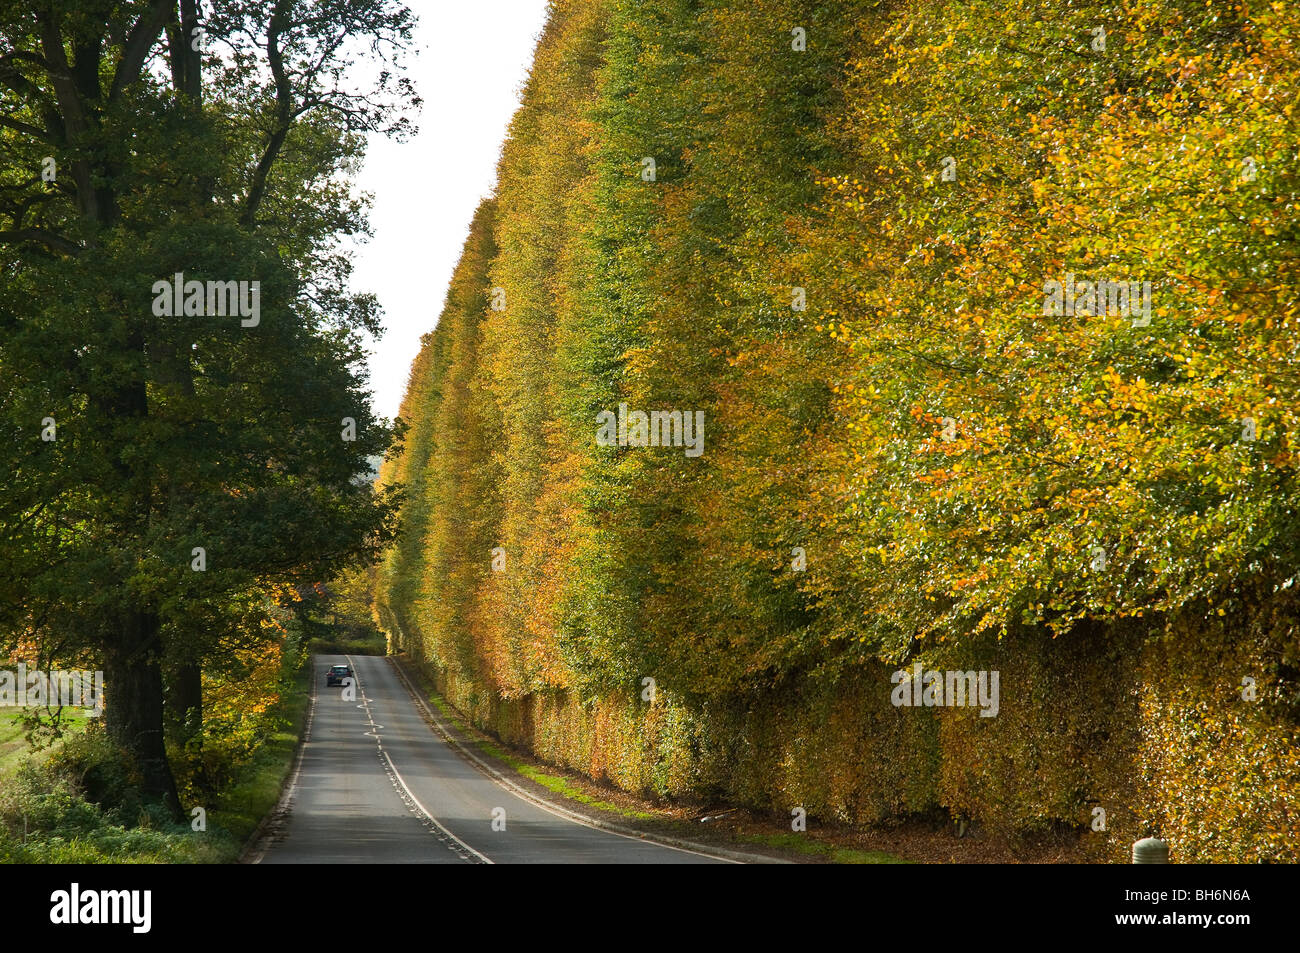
[
  {"x": 185, "y": 698},
  {"x": 133, "y": 687}
]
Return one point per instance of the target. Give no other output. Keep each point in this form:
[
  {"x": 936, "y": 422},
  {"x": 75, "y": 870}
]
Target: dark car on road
[{"x": 336, "y": 674}]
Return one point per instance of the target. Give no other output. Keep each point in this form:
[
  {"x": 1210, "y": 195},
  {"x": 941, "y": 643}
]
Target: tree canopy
[{"x": 169, "y": 465}]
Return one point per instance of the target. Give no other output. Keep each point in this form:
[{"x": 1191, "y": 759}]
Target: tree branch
[
  {"x": 71, "y": 108},
  {"x": 283, "y": 111},
  {"x": 138, "y": 44},
  {"x": 26, "y": 129},
  {"x": 39, "y": 235},
  {"x": 16, "y": 81}
]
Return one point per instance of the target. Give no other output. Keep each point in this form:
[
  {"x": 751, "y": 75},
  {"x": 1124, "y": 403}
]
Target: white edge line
[
  {"x": 402, "y": 781},
  {"x": 286, "y": 796},
  {"x": 549, "y": 807}
]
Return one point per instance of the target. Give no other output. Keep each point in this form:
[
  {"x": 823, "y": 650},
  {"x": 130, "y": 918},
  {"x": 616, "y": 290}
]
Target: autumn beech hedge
[{"x": 851, "y": 253}]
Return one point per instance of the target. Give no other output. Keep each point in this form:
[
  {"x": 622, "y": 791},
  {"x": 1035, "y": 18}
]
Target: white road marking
[
  {"x": 414, "y": 801},
  {"x": 286, "y": 797},
  {"x": 525, "y": 795}
]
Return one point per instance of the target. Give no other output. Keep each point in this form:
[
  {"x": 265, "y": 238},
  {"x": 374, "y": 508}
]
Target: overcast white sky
[{"x": 472, "y": 62}]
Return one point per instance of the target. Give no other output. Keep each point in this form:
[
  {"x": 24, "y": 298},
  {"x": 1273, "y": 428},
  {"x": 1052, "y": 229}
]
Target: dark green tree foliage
[{"x": 218, "y": 149}]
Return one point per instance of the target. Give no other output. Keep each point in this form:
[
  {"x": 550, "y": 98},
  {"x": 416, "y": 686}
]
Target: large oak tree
[{"x": 139, "y": 140}]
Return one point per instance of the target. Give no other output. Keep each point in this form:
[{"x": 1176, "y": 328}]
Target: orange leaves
[{"x": 1089, "y": 402}]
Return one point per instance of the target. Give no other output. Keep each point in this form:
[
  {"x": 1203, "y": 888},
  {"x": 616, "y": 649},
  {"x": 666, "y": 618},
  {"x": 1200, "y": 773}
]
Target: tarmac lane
[{"x": 376, "y": 784}]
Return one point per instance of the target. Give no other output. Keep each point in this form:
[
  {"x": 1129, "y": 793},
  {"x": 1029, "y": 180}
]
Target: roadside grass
[
  {"x": 14, "y": 747},
  {"x": 552, "y": 782},
  {"x": 559, "y": 785},
  {"x": 12, "y": 743},
  {"x": 804, "y": 844},
  {"x": 241, "y": 807},
  {"x": 798, "y": 843},
  {"x": 76, "y": 802}
]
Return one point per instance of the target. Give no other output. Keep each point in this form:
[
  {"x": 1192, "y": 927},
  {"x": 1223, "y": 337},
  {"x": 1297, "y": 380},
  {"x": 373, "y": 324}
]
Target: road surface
[{"x": 376, "y": 784}]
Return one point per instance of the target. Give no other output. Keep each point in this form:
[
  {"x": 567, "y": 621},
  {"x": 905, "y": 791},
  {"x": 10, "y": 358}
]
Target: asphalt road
[{"x": 376, "y": 784}]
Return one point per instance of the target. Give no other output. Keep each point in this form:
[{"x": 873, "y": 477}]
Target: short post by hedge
[{"x": 1150, "y": 850}]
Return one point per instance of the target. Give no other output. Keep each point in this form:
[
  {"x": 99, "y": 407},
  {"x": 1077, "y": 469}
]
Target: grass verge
[
  {"x": 809, "y": 846},
  {"x": 78, "y": 801},
  {"x": 242, "y": 805},
  {"x": 555, "y": 783},
  {"x": 803, "y": 847}
]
